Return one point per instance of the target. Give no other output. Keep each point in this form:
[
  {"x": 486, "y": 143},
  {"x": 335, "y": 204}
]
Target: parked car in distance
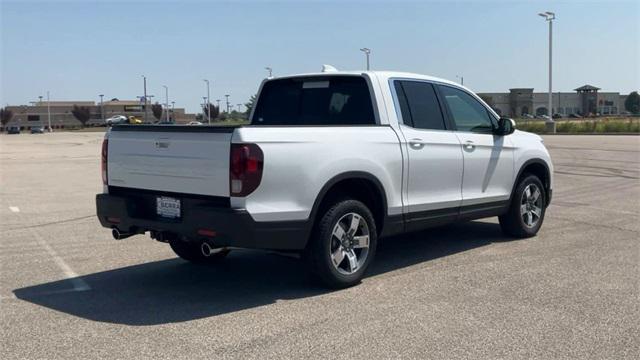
[
  {"x": 116, "y": 119},
  {"x": 37, "y": 130},
  {"x": 528, "y": 116},
  {"x": 194, "y": 123},
  {"x": 545, "y": 117},
  {"x": 134, "y": 120},
  {"x": 13, "y": 130},
  {"x": 557, "y": 116},
  {"x": 575, "y": 116},
  {"x": 329, "y": 163}
]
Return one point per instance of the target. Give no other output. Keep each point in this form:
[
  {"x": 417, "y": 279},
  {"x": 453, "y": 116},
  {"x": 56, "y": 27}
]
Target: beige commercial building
[
  {"x": 60, "y": 113},
  {"x": 586, "y": 100}
]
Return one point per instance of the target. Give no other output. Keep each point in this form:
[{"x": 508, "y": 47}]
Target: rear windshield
[{"x": 331, "y": 100}]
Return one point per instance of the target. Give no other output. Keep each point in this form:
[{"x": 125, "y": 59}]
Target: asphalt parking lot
[{"x": 67, "y": 290}]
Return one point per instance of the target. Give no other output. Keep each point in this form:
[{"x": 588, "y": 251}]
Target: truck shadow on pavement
[{"x": 172, "y": 290}]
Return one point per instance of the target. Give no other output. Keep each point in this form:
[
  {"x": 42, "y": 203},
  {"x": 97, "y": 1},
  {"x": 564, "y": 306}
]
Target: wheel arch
[
  {"x": 537, "y": 167},
  {"x": 358, "y": 184}
]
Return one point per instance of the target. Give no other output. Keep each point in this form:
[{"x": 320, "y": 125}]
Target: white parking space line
[
  {"x": 78, "y": 283},
  {"x": 14, "y": 209}
]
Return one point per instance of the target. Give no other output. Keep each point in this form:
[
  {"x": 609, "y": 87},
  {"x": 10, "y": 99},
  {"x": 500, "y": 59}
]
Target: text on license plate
[{"x": 168, "y": 207}]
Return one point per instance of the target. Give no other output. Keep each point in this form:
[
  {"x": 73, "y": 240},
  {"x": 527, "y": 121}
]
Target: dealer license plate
[{"x": 168, "y": 207}]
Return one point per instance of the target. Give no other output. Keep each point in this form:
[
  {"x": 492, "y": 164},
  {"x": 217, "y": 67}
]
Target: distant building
[
  {"x": 36, "y": 114},
  {"x": 584, "y": 101}
]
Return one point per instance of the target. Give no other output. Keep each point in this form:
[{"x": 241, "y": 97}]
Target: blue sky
[{"x": 79, "y": 49}]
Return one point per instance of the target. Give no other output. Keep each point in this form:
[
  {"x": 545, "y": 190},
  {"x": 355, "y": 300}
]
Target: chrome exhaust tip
[
  {"x": 206, "y": 249},
  {"x": 119, "y": 235}
]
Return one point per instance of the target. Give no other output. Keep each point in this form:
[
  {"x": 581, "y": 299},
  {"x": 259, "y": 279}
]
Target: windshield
[{"x": 318, "y": 100}]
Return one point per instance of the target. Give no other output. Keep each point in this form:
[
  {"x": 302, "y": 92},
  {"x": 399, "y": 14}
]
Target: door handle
[
  {"x": 417, "y": 143},
  {"x": 469, "y": 145}
]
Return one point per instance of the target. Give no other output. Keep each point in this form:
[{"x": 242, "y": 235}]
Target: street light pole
[
  {"x": 366, "y": 51},
  {"x": 207, "y": 103},
  {"x": 166, "y": 102},
  {"x": 102, "y": 107},
  {"x": 49, "y": 111},
  {"x": 145, "y": 97},
  {"x": 270, "y": 70},
  {"x": 461, "y": 79},
  {"x": 549, "y": 17},
  {"x": 227, "y": 96}
]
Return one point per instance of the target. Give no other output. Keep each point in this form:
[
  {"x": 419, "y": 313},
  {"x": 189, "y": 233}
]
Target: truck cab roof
[{"x": 381, "y": 74}]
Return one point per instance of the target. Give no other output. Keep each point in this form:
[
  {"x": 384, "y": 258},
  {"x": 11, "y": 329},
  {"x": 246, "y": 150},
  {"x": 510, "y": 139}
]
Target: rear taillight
[
  {"x": 245, "y": 168},
  {"x": 105, "y": 148}
]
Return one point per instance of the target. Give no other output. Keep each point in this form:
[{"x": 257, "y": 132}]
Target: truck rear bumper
[{"x": 202, "y": 221}]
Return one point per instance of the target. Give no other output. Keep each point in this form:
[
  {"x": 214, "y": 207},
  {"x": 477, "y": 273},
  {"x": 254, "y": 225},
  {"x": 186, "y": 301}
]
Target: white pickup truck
[{"x": 330, "y": 163}]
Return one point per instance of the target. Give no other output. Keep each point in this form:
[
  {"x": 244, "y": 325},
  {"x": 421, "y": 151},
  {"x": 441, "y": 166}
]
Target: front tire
[
  {"x": 526, "y": 211},
  {"x": 342, "y": 245},
  {"x": 192, "y": 252}
]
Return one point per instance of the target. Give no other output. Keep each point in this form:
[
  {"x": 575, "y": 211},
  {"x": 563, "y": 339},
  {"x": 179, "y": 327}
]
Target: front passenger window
[{"x": 467, "y": 113}]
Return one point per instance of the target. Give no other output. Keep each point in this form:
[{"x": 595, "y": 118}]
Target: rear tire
[
  {"x": 526, "y": 211},
  {"x": 192, "y": 252},
  {"x": 342, "y": 245}
]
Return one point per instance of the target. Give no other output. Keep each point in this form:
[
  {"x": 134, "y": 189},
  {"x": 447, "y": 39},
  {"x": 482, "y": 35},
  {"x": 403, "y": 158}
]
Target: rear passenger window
[
  {"x": 318, "y": 100},
  {"x": 419, "y": 105}
]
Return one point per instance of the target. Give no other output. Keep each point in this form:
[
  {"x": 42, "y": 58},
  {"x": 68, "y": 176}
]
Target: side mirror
[{"x": 506, "y": 126}]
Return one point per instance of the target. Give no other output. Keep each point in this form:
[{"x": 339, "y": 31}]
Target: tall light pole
[
  {"x": 270, "y": 70},
  {"x": 461, "y": 79},
  {"x": 367, "y": 52},
  {"x": 40, "y": 103},
  {"x": 549, "y": 17},
  {"x": 218, "y": 101},
  {"x": 227, "y": 96},
  {"x": 207, "y": 102},
  {"x": 166, "y": 102},
  {"x": 144, "y": 79},
  {"x": 49, "y": 111},
  {"x": 102, "y": 107},
  {"x": 239, "y": 105}
]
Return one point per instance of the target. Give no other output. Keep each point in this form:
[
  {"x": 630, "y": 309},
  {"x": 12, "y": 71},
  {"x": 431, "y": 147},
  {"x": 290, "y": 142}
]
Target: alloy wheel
[
  {"x": 531, "y": 205},
  {"x": 349, "y": 243}
]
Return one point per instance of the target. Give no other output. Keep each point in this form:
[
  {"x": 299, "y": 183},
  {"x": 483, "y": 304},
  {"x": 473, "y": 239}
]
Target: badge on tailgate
[{"x": 162, "y": 143}]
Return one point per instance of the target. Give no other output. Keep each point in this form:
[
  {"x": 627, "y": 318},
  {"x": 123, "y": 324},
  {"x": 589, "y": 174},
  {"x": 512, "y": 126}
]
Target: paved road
[{"x": 68, "y": 291}]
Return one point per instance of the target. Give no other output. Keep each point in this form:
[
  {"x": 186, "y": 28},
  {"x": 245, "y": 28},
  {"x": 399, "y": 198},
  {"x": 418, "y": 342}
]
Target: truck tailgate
[{"x": 182, "y": 159}]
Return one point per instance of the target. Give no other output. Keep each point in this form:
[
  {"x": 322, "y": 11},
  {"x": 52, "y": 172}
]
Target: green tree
[
  {"x": 632, "y": 103},
  {"x": 157, "y": 110},
  {"x": 5, "y": 116},
  {"x": 211, "y": 110},
  {"x": 82, "y": 114},
  {"x": 249, "y": 105}
]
